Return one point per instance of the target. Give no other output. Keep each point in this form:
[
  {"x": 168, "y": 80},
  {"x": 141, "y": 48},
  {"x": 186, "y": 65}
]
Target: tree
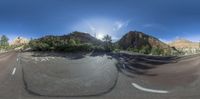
[
  {"x": 4, "y": 41},
  {"x": 107, "y": 39},
  {"x": 108, "y": 42}
]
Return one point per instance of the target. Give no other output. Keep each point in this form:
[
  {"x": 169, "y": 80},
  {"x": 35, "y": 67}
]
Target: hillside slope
[
  {"x": 185, "y": 46},
  {"x": 139, "y": 39},
  {"x": 140, "y": 42},
  {"x": 183, "y": 43},
  {"x": 77, "y": 36}
]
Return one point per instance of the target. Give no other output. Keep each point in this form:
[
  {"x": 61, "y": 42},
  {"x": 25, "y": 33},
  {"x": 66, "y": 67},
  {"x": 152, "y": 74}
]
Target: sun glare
[{"x": 99, "y": 36}]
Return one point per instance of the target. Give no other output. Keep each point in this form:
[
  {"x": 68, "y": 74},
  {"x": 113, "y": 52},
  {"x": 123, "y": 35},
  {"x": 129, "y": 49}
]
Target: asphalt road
[{"x": 97, "y": 76}]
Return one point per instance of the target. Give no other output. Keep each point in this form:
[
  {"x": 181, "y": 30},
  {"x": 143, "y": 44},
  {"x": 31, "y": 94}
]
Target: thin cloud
[
  {"x": 100, "y": 27},
  {"x": 155, "y": 26},
  {"x": 118, "y": 25},
  {"x": 148, "y": 25},
  {"x": 92, "y": 28},
  {"x": 114, "y": 38},
  {"x": 164, "y": 40},
  {"x": 195, "y": 38}
]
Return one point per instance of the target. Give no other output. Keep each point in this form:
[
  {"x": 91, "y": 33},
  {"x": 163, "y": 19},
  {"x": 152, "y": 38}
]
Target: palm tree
[
  {"x": 107, "y": 39},
  {"x": 108, "y": 42}
]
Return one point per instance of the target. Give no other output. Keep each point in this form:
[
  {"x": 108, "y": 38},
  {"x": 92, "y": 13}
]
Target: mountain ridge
[
  {"x": 183, "y": 43},
  {"x": 138, "y": 39}
]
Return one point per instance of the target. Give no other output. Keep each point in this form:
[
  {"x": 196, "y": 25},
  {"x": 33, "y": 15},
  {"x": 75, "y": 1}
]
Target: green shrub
[
  {"x": 145, "y": 49},
  {"x": 34, "y": 45},
  {"x": 98, "y": 48},
  {"x": 72, "y": 42},
  {"x": 57, "y": 44},
  {"x": 157, "y": 51},
  {"x": 85, "y": 47},
  {"x": 133, "y": 49},
  {"x": 60, "y": 46},
  {"x": 43, "y": 46}
]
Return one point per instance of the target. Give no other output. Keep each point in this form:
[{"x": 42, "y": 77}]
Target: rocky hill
[
  {"x": 20, "y": 41},
  {"x": 183, "y": 43},
  {"x": 140, "y": 42},
  {"x": 132, "y": 41},
  {"x": 84, "y": 38},
  {"x": 139, "y": 39},
  {"x": 77, "y": 36},
  {"x": 185, "y": 46}
]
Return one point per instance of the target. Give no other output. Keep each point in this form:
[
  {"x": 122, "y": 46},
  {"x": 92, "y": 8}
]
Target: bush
[
  {"x": 85, "y": 47},
  {"x": 98, "y": 48},
  {"x": 166, "y": 52},
  {"x": 43, "y": 46},
  {"x": 58, "y": 45},
  {"x": 34, "y": 45},
  {"x": 157, "y": 51},
  {"x": 72, "y": 42},
  {"x": 145, "y": 49},
  {"x": 133, "y": 49}
]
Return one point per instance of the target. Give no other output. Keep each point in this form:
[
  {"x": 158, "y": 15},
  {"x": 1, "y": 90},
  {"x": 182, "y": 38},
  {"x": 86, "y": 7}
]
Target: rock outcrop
[
  {"x": 137, "y": 39},
  {"x": 78, "y": 36},
  {"x": 184, "y": 43},
  {"x": 20, "y": 41},
  {"x": 185, "y": 46}
]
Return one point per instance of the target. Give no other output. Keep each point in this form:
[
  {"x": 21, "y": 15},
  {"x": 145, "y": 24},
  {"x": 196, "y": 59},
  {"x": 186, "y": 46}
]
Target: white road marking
[
  {"x": 17, "y": 59},
  {"x": 148, "y": 90},
  {"x": 13, "y": 72}
]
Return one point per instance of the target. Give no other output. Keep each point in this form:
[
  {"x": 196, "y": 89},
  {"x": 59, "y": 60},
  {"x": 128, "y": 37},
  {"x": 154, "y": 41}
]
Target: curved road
[{"x": 139, "y": 77}]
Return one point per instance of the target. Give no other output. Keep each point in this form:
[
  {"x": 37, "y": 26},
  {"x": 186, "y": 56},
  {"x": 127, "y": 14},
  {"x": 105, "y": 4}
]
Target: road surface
[{"x": 97, "y": 76}]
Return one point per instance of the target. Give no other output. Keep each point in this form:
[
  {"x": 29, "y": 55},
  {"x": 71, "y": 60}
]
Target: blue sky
[{"x": 164, "y": 19}]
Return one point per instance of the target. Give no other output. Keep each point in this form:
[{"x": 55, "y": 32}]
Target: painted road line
[
  {"x": 13, "y": 72},
  {"x": 148, "y": 90},
  {"x": 17, "y": 59}
]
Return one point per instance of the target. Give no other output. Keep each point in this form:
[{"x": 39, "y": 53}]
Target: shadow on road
[
  {"x": 140, "y": 64},
  {"x": 127, "y": 63},
  {"x": 72, "y": 56}
]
